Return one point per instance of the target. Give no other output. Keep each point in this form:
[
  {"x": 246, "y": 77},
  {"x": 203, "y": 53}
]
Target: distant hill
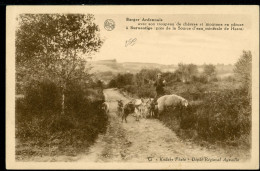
[
  {"x": 136, "y": 66},
  {"x": 132, "y": 67},
  {"x": 106, "y": 69}
]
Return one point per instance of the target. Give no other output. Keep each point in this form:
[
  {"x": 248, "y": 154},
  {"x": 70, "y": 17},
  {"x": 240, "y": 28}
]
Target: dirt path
[{"x": 137, "y": 141}]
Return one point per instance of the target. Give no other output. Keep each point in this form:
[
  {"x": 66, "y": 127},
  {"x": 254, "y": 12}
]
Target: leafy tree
[
  {"x": 193, "y": 71},
  {"x": 243, "y": 69},
  {"x": 100, "y": 84},
  {"x": 112, "y": 83},
  {"x": 186, "y": 72},
  {"x": 124, "y": 79},
  {"x": 209, "y": 71},
  {"x": 146, "y": 76},
  {"x": 170, "y": 77},
  {"x": 54, "y": 46}
]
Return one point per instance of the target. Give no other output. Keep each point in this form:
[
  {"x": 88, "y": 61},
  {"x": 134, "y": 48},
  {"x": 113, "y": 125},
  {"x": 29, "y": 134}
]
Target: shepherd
[{"x": 159, "y": 86}]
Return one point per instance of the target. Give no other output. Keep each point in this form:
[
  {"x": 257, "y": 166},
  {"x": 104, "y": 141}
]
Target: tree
[
  {"x": 124, "y": 79},
  {"x": 209, "y": 71},
  {"x": 112, "y": 83},
  {"x": 171, "y": 77},
  {"x": 146, "y": 76},
  {"x": 186, "y": 72},
  {"x": 53, "y": 46},
  {"x": 193, "y": 71},
  {"x": 243, "y": 70},
  {"x": 100, "y": 84}
]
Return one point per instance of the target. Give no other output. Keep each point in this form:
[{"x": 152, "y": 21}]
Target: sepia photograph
[{"x": 132, "y": 87}]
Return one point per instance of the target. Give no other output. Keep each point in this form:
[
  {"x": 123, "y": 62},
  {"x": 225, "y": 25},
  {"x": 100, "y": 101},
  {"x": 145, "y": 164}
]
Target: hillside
[
  {"x": 132, "y": 67},
  {"x": 106, "y": 69}
]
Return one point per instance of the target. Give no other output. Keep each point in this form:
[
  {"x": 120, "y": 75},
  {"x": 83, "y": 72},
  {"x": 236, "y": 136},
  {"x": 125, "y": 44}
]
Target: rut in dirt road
[{"x": 137, "y": 141}]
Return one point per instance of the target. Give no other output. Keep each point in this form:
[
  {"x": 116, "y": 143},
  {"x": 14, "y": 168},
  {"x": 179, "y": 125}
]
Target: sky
[{"x": 175, "y": 46}]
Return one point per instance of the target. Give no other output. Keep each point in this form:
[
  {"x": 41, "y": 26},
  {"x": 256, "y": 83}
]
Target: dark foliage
[
  {"x": 40, "y": 122},
  {"x": 222, "y": 116}
]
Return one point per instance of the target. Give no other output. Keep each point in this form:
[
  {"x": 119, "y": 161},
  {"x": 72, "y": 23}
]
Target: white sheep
[
  {"x": 105, "y": 107},
  {"x": 168, "y": 101}
]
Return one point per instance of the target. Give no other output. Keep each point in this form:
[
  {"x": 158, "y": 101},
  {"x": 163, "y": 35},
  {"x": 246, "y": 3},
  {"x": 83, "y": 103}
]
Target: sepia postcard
[{"x": 132, "y": 87}]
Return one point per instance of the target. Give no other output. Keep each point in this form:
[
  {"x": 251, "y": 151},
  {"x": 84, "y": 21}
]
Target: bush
[
  {"x": 191, "y": 92},
  {"x": 225, "y": 115},
  {"x": 144, "y": 91},
  {"x": 180, "y": 117},
  {"x": 40, "y": 123},
  {"x": 42, "y": 96},
  {"x": 130, "y": 89},
  {"x": 222, "y": 116}
]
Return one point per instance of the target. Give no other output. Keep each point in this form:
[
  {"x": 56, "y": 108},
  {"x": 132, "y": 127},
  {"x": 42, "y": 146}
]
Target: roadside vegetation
[
  {"x": 219, "y": 110},
  {"x": 58, "y": 104}
]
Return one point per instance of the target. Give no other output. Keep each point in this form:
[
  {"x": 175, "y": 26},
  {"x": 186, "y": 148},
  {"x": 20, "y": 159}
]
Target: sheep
[
  {"x": 138, "y": 108},
  {"x": 147, "y": 107},
  {"x": 144, "y": 107},
  {"x": 151, "y": 108},
  {"x": 120, "y": 107},
  {"x": 128, "y": 108},
  {"x": 138, "y": 113},
  {"x": 144, "y": 110},
  {"x": 169, "y": 100},
  {"x": 105, "y": 107}
]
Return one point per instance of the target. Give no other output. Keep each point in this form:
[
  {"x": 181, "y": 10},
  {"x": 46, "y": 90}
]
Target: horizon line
[{"x": 157, "y": 63}]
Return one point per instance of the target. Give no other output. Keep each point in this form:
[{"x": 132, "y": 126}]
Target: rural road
[{"x": 137, "y": 141}]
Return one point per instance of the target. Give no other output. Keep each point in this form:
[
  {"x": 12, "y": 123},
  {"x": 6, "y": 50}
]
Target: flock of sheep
[
  {"x": 145, "y": 107},
  {"x": 140, "y": 107}
]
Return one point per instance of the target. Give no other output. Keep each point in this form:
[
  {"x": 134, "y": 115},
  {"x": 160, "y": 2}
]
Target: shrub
[
  {"x": 222, "y": 116},
  {"x": 40, "y": 123},
  {"x": 42, "y": 96},
  {"x": 225, "y": 115},
  {"x": 112, "y": 83},
  {"x": 130, "y": 89},
  {"x": 180, "y": 117},
  {"x": 144, "y": 91},
  {"x": 191, "y": 92}
]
